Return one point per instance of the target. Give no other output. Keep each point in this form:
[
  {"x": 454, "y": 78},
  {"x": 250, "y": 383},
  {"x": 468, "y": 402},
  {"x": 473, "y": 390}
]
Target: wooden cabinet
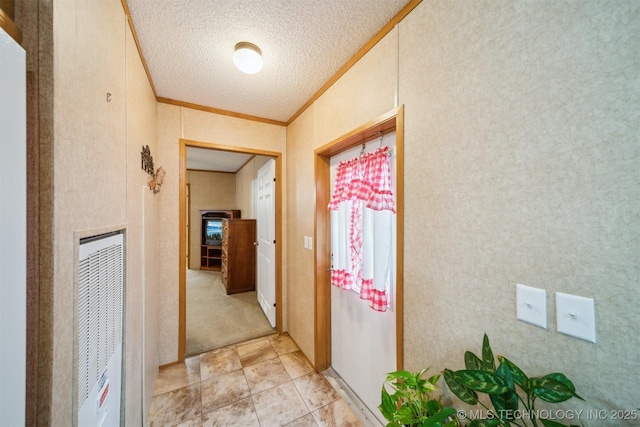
[
  {"x": 211, "y": 238},
  {"x": 210, "y": 258},
  {"x": 238, "y": 255}
]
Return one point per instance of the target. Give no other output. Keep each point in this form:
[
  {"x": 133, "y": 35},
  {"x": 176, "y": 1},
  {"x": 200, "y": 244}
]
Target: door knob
[{"x": 256, "y": 243}]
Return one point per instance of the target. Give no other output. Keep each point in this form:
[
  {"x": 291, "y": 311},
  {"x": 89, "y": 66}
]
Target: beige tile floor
[{"x": 263, "y": 382}]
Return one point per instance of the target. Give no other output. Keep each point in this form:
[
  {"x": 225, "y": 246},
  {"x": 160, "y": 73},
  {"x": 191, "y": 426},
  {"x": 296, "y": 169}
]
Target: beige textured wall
[
  {"x": 245, "y": 189},
  {"x": 209, "y": 190},
  {"x": 142, "y": 260},
  {"x": 245, "y": 186},
  {"x": 300, "y": 210},
  {"x": 521, "y": 166},
  {"x": 365, "y": 92},
  {"x": 97, "y": 187},
  {"x": 521, "y": 159},
  {"x": 218, "y": 129},
  {"x": 169, "y": 126},
  {"x": 175, "y": 123},
  {"x": 371, "y": 85}
]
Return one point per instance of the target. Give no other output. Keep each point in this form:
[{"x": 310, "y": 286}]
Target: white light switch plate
[
  {"x": 308, "y": 242},
  {"x": 531, "y": 305},
  {"x": 576, "y": 316}
]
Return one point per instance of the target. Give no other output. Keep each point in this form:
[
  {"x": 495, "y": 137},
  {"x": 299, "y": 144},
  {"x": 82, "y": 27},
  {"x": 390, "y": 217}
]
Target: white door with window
[{"x": 266, "y": 215}]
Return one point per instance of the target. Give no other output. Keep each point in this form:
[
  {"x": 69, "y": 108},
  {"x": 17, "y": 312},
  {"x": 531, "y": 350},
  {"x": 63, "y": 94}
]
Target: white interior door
[
  {"x": 363, "y": 341},
  {"x": 266, "y": 222},
  {"x": 13, "y": 229}
]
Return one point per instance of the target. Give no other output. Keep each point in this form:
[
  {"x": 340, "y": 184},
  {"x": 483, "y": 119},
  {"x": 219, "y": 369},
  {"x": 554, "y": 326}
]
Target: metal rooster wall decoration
[{"x": 155, "y": 178}]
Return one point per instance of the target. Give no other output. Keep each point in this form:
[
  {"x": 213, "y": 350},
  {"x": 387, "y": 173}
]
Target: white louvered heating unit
[{"x": 100, "y": 312}]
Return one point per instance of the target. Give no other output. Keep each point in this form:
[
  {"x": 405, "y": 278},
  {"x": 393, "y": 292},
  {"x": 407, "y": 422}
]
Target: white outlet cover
[
  {"x": 531, "y": 305},
  {"x": 576, "y": 316}
]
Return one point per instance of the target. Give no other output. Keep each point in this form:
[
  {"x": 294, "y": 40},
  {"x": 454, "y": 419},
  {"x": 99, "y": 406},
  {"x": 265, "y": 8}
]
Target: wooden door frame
[
  {"x": 187, "y": 221},
  {"x": 182, "y": 281},
  {"x": 389, "y": 122}
]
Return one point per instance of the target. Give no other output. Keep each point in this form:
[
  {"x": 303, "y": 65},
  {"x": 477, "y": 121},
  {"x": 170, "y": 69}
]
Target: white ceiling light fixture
[{"x": 248, "y": 57}]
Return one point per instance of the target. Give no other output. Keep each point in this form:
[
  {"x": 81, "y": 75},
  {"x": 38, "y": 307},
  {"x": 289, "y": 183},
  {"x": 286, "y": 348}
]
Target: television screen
[{"x": 213, "y": 232}]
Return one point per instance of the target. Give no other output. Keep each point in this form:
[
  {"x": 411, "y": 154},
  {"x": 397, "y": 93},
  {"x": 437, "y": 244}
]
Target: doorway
[
  {"x": 324, "y": 342},
  {"x": 277, "y": 231}
]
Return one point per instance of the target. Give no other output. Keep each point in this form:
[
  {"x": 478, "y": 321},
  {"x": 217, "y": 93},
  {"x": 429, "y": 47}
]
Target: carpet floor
[{"x": 215, "y": 319}]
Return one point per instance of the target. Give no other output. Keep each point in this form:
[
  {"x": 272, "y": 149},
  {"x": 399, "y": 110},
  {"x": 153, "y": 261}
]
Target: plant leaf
[
  {"x": 433, "y": 406},
  {"x": 434, "y": 379},
  {"x": 465, "y": 394},
  {"x": 404, "y": 416},
  {"x": 485, "y": 382},
  {"x": 402, "y": 375},
  {"x": 564, "y": 380},
  {"x": 436, "y": 419},
  {"x": 388, "y": 405},
  {"x": 488, "y": 363},
  {"x": 518, "y": 376},
  {"x": 472, "y": 362},
  {"x": 504, "y": 372},
  {"x": 505, "y": 404},
  {"x": 550, "y": 423},
  {"x": 413, "y": 380},
  {"x": 553, "y": 388},
  {"x": 485, "y": 423}
]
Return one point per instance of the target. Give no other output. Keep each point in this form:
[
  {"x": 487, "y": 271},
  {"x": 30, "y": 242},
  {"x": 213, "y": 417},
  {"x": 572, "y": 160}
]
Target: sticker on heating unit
[{"x": 103, "y": 394}]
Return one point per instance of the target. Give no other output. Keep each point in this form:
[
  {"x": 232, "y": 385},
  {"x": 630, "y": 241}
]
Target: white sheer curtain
[{"x": 362, "y": 213}]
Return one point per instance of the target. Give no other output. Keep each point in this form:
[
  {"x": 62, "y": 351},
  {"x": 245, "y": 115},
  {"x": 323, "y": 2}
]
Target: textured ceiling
[
  {"x": 215, "y": 160},
  {"x": 188, "y": 47}
]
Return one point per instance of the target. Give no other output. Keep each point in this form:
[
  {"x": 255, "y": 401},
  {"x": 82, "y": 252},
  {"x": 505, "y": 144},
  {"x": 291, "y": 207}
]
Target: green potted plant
[
  {"x": 413, "y": 401},
  {"x": 512, "y": 393}
]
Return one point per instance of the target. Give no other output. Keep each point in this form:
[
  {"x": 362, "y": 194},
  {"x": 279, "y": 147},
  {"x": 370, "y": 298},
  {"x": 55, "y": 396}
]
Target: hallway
[{"x": 262, "y": 382}]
